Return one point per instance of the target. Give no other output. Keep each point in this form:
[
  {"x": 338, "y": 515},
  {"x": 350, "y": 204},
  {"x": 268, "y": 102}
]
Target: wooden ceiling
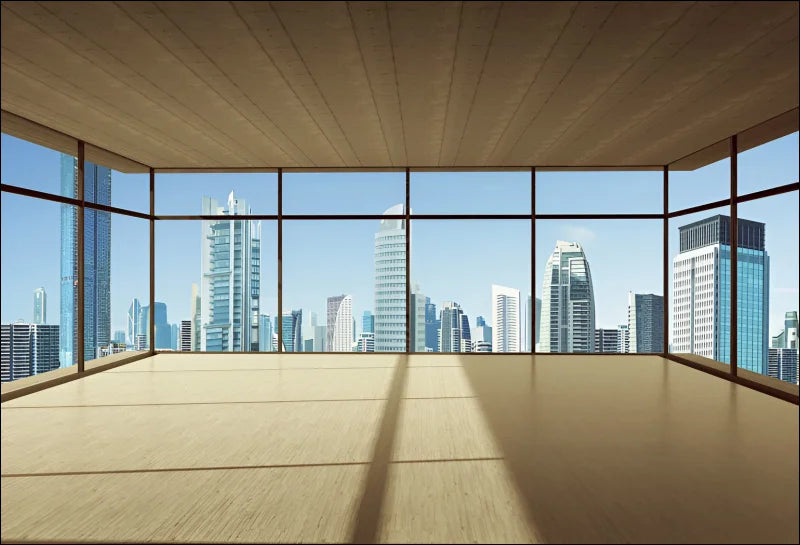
[{"x": 380, "y": 84}]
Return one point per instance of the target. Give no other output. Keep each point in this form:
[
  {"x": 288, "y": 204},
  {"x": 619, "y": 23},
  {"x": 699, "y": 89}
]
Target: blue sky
[{"x": 451, "y": 260}]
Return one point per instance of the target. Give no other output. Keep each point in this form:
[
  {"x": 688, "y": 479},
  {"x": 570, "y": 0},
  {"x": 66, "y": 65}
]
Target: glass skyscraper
[
  {"x": 96, "y": 261},
  {"x": 568, "y": 314},
  {"x": 292, "y": 330},
  {"x": 231, "y": 276},
  {"x": 454, "y": 334},
  {"x": 646, "y": 322},
  {"x": 368, "y": 322},
  {"x": 39, "y": 306},
  {"x": 701, "y": 287},
  {"x": 390, "y": 283}
]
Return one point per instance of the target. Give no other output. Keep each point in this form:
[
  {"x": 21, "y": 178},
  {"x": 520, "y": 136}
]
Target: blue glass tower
[
  {"x": 96, "y": 261},
  {"x": 368, "y": 322}
]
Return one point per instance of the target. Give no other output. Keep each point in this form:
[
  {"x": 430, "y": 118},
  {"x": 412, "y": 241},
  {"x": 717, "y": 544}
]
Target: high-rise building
[
  {"x": 265, "y": 333},
  {"x": 646, "y": 322},
  {"x": 292, "y": 330},
  {"x": 366, "y": 342},
  {"x": 607, "y": 340},
  {"x": 96, "y": 261},
  {"x": 624, "y": 339},
  {"x": 173, "y": 336},
  {"x": 134, "y": 321},
  {"x": 39, "y": 306},
  {"x": 28, "y": 349},
  {"x": 320, "y": 336},
  {"x": 119, "y": 336},
  {"x": 537, "y": 328},
  {"x": 196, "y": 318},
  {"x": 481, "y": 336},
  {"x": 340, "y": 324},
  {"x": 185, "y": 340},
  {"x": 787, "y": 338},
  {"x": 528, "y": 325},
  {"x": 368, "y": 322},
  {"x": 417, "y": 324},
  {"x": 782, "y": 364},
  {"x": 309, "y": 332},
  {"x": 568, "y": 314},
  {"x": 390, "y": 283},
  {"x": 701, "y": 288},
  {"x": 163, "y": 330},
  {"x": 140, "y": 343},
  {"x": 432, "y": 325},
  {"x": 231, "y": 278},
  {"x": 454, "y": 334},
  {"x": 507, "y": 319}
]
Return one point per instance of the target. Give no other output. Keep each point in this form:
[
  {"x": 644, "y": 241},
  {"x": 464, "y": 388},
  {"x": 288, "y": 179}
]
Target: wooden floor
[{"x": 383, "y": 448}]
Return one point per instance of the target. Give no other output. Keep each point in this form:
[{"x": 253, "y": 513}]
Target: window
[
  {"x": 703, "y": 185},
  {"x": 769, "y": 165},
  {"x": 203, "y": 193},
  {"x": 505, "y": 192},
  {"x": 342, "y": 192},
  {"x": 599, "y": 192}
]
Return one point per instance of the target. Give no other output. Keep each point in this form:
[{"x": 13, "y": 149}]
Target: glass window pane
[
  {"x": 700, "y": 317},
  {"x": 767, "y": 286},
  {"x": 342, "y": 192},
  {"x": 344, "y": 286},
  {"x": 116, "y": 281},
  {"x": 184, "y": 194},
  {"x": 470, "y": 192},
  {"x": 104, "y": 185},
  {"x": 37, "y": 167},
  {"x": 769, "y": 165},
  {"x": 216, "y": 281},
  {"x": 38, "y": 286},
  {"x": 466, "y": 305},
  {"x": 688, "y": 188},
  {"x": 599, "y": 192},
  {"x": 601, "y": 285}
]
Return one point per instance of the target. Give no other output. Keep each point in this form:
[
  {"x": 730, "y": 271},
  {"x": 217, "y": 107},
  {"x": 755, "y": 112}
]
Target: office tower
[
  {"x": 196, "y": 318},
  {"x": 787, "y": 338},
  {"x": 646, "y": 322},
  {"x": 354, "y": 331},
  {"x": 506, "y": 319},
  {"x": 782, "y": 364},
  {"x": 320, "y": 335},
  {"x": 265, "y": 333},
  {"x": 417, "y": 320},
  {"x": 340, "y": 323},
  {"x": 230, "y": 278},
  {"x": 528, "y": 325},
  {"x": 309, "y": 332},
  {"x": 28, "y": 349},
  {"x": 292, "y": 330},
  {"x": 454, "y": 334},
  {"x": 480, "y": 321},
  {"x": 173, "y": 336},
  {"x": 607, "y": 340},
  {"x": 481, "y": 336},
  {"x": 390, "y": 283},
  {"x": 134, "y": 321},
  {"x": 366, "y": 342},
  {"x": 185, "y": 336},
  {"x": 39, "y": 306},
  {"x": 163, "y": 330},
  {"x": 119, "y": 336},
  {"x": 624, "y": 346},
  {"x": 96, "y": 261},
  {"x": 141, "y": 342},
  {"x": 537, "y": 327},
  {"x": 368, "y": 322},
  {"x": 567, "y": 323},
  {"x": 432, "y": 325},
  {"x": 701, "y": 288}
]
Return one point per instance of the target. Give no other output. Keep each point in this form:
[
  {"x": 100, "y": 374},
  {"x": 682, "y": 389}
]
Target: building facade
[
  {"x": 265, "y": 333},
  {"x": 292, "y": 330},
  {"x": 417, "y": 325},
  {"x": 39, "y": 306},
  {"x": 185, "y": 336},
  {"x": 390, "y": 283},
  {"x": 701, "y": 292},
  {"x": 507, "y": 320},
  {"x": 432, "y": 325},
  {"x": 646, "y": 322},
  {"x": 231, "y": 276},
  {"x": 454, "y": 334},
  {"x": 782, "y": 364},
  {"x": 340, "y": 324},
  {"x": 568, "y": 311},
  {"x": 28, "y": 349}
]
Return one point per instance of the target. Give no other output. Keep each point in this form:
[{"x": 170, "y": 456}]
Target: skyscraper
[
  {"x": 134, "y": 321},
  {"x": 607, "y": 340},
  {"x": 787, "y": 338},
  {"x": 163, "y": 330},
  {"x": 417, "y": 324},
  {"x": 782, "y": 364},
  {"x": 27, "y": 349},
  {"x": 506, "y": 319},
  {"x": 196, "y": 318},
  {"x": 366, "y": 342},
  {"x": 701, "y": 288},
  {"x": 119, "y": 337},
  {"x": 230, "y": 278},
  {"x": 185, "y": 337},
  {"x": 646, "y": 322},
  {"x": 528, "y": 326},
  {"x": 432, "y": 325},
  {"x": 96, "y": 261},
  {"x": 390, "y": 283},
  {"x": 368, "y": 322},
  {"x": 567, "y": 316},
  {"x": 39, "y": 306},
  {"x": 454, "y": 334},
  {"x": 173, "y": 336},
  {"x": 340, "y": 324},
  {"x": 320, "y": 336},
  {"x": 265, "y": 333},
  {"x": 481, "y": 336},
  {"x": 538, "y": 328},
  {"x": 292, "y": 330}
]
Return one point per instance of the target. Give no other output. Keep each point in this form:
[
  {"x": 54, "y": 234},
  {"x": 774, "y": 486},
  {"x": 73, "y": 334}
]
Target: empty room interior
[{"x": 399, "y": 272}]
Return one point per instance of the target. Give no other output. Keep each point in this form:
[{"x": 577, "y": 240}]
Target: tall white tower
[
  {"x": 390, "y": 283},
  {"x": 507, "y": 320},
  {"x": 340, "y": 324},
  {"x": 567, "y": 319}
]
